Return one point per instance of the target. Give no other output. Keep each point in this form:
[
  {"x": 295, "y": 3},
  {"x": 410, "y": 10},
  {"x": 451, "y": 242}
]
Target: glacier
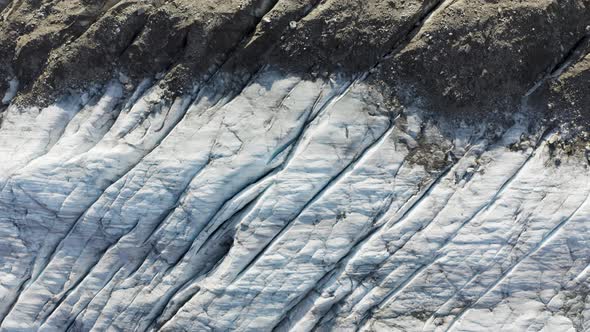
[
  {"x": 288, "y": 204},
  {"x": 294, "y": 165}
]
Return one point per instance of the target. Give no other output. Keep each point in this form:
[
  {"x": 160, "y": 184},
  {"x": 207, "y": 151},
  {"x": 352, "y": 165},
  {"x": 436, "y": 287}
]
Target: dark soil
[{"x": 460, "y": 57}]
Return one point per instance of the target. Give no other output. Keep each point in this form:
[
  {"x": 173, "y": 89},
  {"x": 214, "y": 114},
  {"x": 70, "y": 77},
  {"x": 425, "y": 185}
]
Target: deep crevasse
[{"x": 286, "y": 204}]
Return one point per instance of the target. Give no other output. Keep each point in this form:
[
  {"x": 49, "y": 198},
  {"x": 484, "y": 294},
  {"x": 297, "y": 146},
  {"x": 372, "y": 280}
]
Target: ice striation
[
  {"x": 289, "y": 204},
  {"x": 294, "y": 165}
]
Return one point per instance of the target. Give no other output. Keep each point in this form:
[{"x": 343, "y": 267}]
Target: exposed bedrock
[
  {"x": 453, "y": 55},
  {"x": 297, "y": 165}
]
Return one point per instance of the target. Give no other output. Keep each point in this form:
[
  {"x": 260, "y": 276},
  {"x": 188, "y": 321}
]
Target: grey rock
[{"x": 294, "y": 165}]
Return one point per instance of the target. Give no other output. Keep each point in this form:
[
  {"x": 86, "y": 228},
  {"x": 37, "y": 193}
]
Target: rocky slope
[{"x": 254, "y": 165}]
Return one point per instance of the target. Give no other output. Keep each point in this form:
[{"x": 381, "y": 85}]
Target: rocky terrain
[{"x": 294, "y": 165}]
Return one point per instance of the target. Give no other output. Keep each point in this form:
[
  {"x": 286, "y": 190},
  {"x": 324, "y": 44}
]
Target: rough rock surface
[{"x": 294, "y": 165}]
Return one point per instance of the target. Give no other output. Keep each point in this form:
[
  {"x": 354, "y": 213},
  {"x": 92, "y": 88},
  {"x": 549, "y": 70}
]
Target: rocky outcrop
[
  {"x": 294, "y": 165},
  {"x": 486, "y": 55},
  {"x": 569, "y": 92},
  {"x": 453, "y": 54}
]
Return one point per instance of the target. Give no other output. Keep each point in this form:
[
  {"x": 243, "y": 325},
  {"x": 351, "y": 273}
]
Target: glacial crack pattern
[
  {"x": 293, "y": 165},
  {"x": 291, "y": 205}
]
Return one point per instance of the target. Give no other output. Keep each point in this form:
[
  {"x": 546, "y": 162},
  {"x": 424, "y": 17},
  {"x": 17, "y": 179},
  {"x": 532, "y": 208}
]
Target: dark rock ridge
[{"x": 472, "y": 56}]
